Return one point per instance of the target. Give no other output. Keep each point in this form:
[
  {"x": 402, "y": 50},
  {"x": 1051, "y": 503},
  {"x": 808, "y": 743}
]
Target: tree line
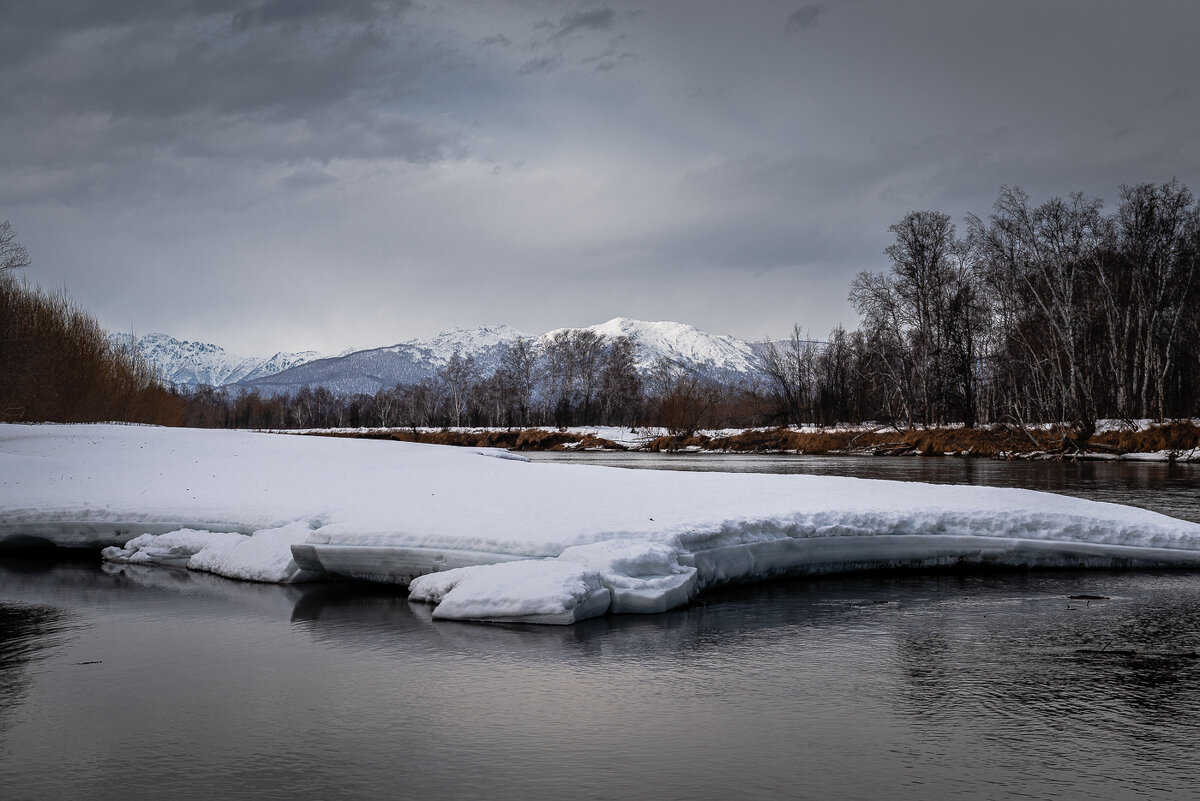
[
  {"x": 576, "y": 378},
  {"x": 1051, "y": 312},
  {"x": 1056, "y": 312}
]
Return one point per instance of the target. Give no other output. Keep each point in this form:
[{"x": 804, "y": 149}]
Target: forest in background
[{"x": 1056, "y": 312}]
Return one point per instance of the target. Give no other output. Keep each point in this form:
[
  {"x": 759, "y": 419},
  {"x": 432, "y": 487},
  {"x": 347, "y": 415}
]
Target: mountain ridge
[
  {"x": 717, "y": 356},
  {"x": 184, "y": 363}
]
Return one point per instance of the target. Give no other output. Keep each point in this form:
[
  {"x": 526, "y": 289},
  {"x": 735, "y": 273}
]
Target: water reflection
[
  {"x": 904, "y": 686},
  {"x": 27, "y": 633}
]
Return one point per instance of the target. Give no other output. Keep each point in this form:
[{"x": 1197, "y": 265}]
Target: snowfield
[{"x": 486, "y": 535}]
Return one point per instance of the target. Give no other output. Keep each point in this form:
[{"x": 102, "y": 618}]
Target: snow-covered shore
[
  {"x": 1113, "y": 440},
  {"x": 498, "y": 538}
]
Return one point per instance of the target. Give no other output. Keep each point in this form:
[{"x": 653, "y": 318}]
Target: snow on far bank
[
  {"x": 639, "y": 437},
  {"x": 586, "y": 539}
]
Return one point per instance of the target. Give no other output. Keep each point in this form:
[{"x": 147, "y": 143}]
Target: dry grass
[
  {"x": 1174, "y": 436},
  {"x": 996, "y": 441},
  {"x": 592, "y": 442},
  {"x": 539, "y": 439},
  {"x": 528, "y": 439}
]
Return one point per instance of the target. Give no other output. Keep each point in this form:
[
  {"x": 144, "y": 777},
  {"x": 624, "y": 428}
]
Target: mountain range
[{"x": 188, "y": 364}]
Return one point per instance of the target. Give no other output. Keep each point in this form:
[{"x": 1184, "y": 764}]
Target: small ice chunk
[
  {"x": 174, "y": 548},
  {"x": 644, "y": 577},
  {"x": 263, "y": 556},
  {"x": 526, "y": 591},
  {"x": 620, "y": 576},
  {"x": 501, "y": 453}
]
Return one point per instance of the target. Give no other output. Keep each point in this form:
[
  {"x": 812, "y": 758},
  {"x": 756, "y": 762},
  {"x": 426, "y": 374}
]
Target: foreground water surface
[{"x": 139, "y": 683}]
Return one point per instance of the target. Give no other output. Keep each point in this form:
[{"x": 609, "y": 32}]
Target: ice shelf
[{"x": 506, "y": 540}]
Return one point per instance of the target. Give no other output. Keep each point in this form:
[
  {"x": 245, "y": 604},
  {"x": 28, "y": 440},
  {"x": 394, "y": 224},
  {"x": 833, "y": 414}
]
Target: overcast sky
[{"x": 294, "y": 174}]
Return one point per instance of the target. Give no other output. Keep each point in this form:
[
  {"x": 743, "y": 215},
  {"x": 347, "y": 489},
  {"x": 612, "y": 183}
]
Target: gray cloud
[
  {"x": 174, "y": 162},
  {"x": 541, "y": 64},
  {"x": 160, "y": 103},
  {"x": 155, "y": 66},
  {"x": 285, "y": 12},
  {"x": 804, "y": 18},
  {"x": 597, "y": 19},
  {"x": 307, "y": 178}
]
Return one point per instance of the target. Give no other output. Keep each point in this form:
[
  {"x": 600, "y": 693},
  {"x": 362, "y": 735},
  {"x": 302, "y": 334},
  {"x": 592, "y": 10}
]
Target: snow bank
[{"x": 579, "y": 540}]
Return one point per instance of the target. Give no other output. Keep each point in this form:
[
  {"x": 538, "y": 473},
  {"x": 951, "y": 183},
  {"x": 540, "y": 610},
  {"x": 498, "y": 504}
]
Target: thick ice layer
[{"x": 392, "y": 511}]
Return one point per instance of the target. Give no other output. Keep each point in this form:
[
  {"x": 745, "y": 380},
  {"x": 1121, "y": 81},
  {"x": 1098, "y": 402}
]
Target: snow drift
[{"x": 503, "y": 539}]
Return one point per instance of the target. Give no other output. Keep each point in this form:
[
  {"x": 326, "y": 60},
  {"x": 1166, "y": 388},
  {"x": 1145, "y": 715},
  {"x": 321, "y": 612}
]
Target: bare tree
[
  {"x": 558, "y": 378},
  {"x": 515, "y": 380},
  {"x": 790, "y": 367},
  {"x": 13, "y": 255},
  {"x": 1156, "y": 235},
  {"x": 885, "y": 365},
  {"x": 1048, "y": 256},
  {"x": 573, "y": 361},
  {"x": 458, "y": 376},
  {"x": 620, "y": 384},
  {"x": 682, "y": 398}
]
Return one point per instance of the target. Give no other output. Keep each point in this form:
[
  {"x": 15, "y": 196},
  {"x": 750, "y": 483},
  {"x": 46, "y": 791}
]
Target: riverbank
[
  {"x": 1135, "y": 440},
  {"x": 485, "y": 534}
]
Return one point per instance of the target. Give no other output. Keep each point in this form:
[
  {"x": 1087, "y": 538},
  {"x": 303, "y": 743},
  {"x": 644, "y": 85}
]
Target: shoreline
[{"x": 1177, "y": 441}]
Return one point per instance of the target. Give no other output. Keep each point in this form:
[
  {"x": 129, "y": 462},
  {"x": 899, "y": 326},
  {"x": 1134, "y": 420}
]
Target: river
[{"x": 142, "y": 683}]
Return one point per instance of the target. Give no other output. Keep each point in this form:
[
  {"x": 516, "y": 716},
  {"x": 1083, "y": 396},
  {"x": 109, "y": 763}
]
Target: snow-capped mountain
[
  {"x": 719, "y": 357},
  {"x": 407, "y": 362},
  {"x": 188, "y": 364}
]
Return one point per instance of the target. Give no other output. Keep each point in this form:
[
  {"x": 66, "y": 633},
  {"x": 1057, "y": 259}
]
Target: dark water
[
  {"x": 1171, "y": 488},
  {"x": 144, "y": 684}
]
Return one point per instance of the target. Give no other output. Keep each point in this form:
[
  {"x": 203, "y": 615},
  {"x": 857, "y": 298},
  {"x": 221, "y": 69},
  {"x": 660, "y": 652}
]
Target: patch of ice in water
[
  {"x": 263, "y": 556},
  {"x": 529, "y": 591}
]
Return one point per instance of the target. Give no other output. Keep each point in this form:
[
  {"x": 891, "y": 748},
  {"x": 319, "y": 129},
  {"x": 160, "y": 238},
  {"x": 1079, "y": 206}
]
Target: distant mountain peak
[
  {"x": 680, "y": 344},
  {"x": 188, "y": 364},
  {"x": 467, "y": 340}
]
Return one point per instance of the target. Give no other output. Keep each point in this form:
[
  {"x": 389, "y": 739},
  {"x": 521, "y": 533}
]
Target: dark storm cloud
[
  {"x": 150, "y": 64},
  {"x": 804, "y": 18},
  {"x": 217, "y": 68}
]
